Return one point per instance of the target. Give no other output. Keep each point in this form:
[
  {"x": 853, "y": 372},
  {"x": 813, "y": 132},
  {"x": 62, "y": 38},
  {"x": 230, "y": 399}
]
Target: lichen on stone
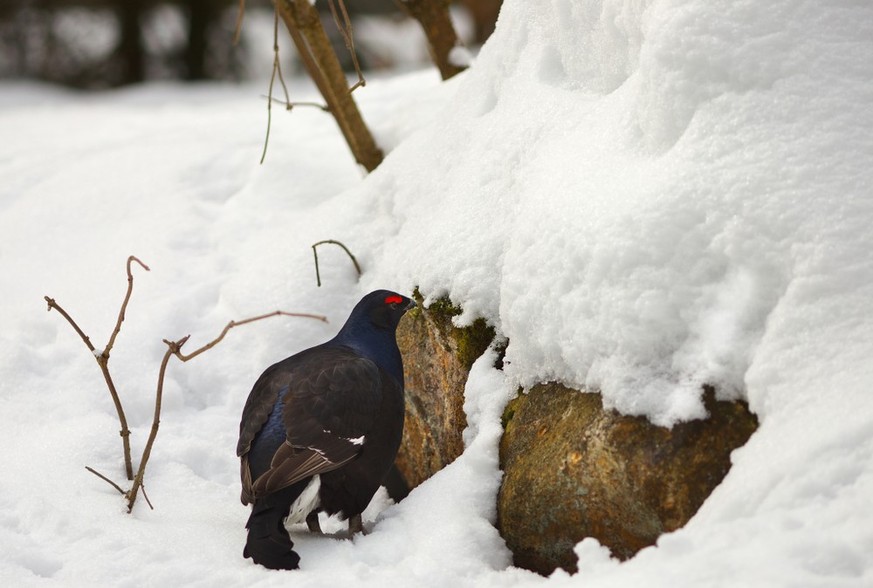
[{"x": 469, "y": 342}]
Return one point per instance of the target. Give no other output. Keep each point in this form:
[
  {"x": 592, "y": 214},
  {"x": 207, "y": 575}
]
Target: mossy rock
[
  {"x": 437, "y": 357},
  {"x": 574, "y": 470}
]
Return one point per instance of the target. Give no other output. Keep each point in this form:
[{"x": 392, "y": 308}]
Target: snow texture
[{"x": 641, "y": 197}]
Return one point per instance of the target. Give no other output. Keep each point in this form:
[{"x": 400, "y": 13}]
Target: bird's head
[
  {"x": 371, "y": 327},
  {"x": 382, "y": 309}
]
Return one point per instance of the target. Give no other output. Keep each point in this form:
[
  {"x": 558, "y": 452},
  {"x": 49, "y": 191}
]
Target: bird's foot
[
  {"x": 356, "y": 525},
  {"x": 312, "y": 523},
  {"x": 271, "y": 554}
]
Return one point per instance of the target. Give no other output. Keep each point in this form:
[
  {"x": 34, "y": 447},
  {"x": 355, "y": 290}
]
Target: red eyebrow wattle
[{"x": 393, "y": 299}]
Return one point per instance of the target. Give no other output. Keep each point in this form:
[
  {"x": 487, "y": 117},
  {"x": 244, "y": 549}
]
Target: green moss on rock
[
  {"x": 469, "y": 343},
  {"x": 437, "y": 357}
]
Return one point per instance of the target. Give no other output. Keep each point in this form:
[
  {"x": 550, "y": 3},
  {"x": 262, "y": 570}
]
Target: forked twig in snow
[
  {"x": 173, "y": 348},
  {"x": 102, "y": 358},
  {"x": 332, "y": 242}
]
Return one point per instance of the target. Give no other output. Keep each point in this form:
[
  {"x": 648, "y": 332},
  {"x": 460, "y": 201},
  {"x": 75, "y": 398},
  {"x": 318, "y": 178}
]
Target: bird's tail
[{"x": 268, "y": 542}]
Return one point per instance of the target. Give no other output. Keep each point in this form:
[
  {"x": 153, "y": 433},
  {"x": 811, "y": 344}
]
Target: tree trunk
[
  {"x": 433, "y": 15},
  {"x": 304, "y": 24},
  {"x": 201, "y": 16},
  {"x": 484, "y": 13},
  {"x": 130, "y": 48}
]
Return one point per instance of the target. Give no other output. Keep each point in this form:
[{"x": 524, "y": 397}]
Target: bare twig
[
  {"x": 320, "y": 60},
  {"x": 123, "y": 309},
  {"x": 277, "y": 61},
  {"x": 277, "y": 73},
  {"x": 293, "y": 105},
  {"x": 54, "y": 305},
  {"x": 175, "y": 348},
  {"x": 102, "y": 358},
  {"x": 105, "y": 479},
  {"x": 146, "y": 496},
  {"x": 237, "y": 28},
  {"x": 332, "y": 242},
  {"x": 277, "y": 68},
  {"x": 156, "y": 421},
  {"x": 345, "y": 29}
]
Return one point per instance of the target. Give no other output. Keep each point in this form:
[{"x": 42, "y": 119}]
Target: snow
[{"x": 640, "y": 196}]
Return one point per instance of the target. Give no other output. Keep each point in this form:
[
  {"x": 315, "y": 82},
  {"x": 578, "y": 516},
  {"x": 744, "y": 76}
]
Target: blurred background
[{"x": 95, "y": 44}]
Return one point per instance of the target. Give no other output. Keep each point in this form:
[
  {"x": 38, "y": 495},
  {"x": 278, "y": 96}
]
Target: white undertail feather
[{"x": 305, "y": 503}]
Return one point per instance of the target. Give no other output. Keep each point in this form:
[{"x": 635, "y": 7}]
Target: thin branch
[
  {"x": 277, "y": 71},
  {"x": 237, "y": 29},
  {"x": 175, "y": 348},
  {"x": 345, "y": 29},
  {"x": 270, "y": 88},
  {"x": 54, "y": 305},
  {"x": 292, "y": 105},
  {"x": 123, "y": 309},
  {"x": 156, "y": 422},
  {"x": 320, "y": 60},
  {"x": 278, "y": 61},
  {"x": 146, "y": 496},
  {"x": 332, "y": 242},
  {"x": 105, "y": 479},
  {"x": 103, "y": 359}
]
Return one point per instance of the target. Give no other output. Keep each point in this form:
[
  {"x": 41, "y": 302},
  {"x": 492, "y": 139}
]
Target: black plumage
[{"x": 320, "y": 429}]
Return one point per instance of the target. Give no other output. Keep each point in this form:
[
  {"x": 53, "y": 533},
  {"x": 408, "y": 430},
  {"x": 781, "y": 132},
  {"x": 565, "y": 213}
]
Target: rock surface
[
  {"x": 573, "y": 470},
  {"x": 436, "y": 358}
]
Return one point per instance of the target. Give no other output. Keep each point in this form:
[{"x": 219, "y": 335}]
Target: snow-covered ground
[{"x": 640, "y": 196}]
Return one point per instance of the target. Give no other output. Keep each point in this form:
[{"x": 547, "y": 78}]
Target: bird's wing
[
  {"x": 331, "y": 404},
  {"x": 256, "y": 412},
  {"x": 258, "y": 407}
]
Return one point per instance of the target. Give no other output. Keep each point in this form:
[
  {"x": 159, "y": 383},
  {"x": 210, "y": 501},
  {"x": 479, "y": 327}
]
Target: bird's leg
[
  {"x": 356, "y": 525},
  {"x": 312, "y": 522}
]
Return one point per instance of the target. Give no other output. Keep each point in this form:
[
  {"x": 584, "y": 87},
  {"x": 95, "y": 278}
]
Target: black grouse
[{"x": 320, "y": 430}]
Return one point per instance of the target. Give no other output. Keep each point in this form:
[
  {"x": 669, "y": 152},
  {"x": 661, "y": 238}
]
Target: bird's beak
[{"x": 410, "y": 306}]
